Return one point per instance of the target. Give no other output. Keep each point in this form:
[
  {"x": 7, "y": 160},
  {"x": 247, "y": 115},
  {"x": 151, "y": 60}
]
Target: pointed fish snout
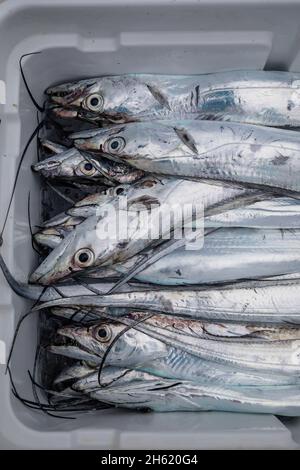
[
  {"x": 49, "y": 237},
  {"x": 88, "y": 144},
  {"x": 67, "y": 331},
  {"x": 64, "y": 113},
  {"x": 38, "y": 277},
  {"x": 45, "y": 165},
  {"x": 82, "y": 144},
  {"x": 57, "y": 264}
]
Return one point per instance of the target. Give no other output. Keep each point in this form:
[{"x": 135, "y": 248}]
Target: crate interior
[{"x": 75, "y": 41}]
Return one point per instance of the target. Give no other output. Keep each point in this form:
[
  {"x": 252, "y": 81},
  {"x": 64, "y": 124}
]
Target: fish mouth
[
  {"x": 69, "y": 94},
  {"x": 49, "y": 271},
  {"x": 67, "y": 338},
  {"x": 66, "y": 93},
  {"x": 85, "y": 134},
  {"x": 50, "y": 277},
  {"x": 48, "y": 237},
  {"x": 85, "y": 144},
  {"x": 45, "y": 165},
  {"x": 60, "y": 112}
]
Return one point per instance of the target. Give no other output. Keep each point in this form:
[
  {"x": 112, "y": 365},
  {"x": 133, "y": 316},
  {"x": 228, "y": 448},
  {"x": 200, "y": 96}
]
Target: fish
[
  {"x": 246, "y": 154},
  {"x": 227, "y": 255},
  {"x": 72, "y": 164},
  {"x": 144, "y": 391},
  {"x": 268, "y": 98},
  {"x": 73, "y": 372},
  {"x": 279, "y": 400},
  {"x": 54, "y": 230},
  {"x": 277, "y": 213},
  {"x": 257, "y": 301},
  {"x": 129, "y": 225},
  {"x": 258, "y": 348}
]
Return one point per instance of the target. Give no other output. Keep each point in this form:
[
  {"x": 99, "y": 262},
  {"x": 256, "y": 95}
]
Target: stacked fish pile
[{"x": 210, "y": 319}]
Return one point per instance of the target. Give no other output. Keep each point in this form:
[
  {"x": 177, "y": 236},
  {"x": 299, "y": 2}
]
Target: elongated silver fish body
[
  {"x": 232, "y": 152},
  {"x": 96, "y": 241},
  {"x": 258, "y": 97},
  {"x": 147, "y": 391},
  {"x": 283, "y": 213},
  {"x": 275, "y": 213},
  {"x": 228, "y": 254},
  {"x": 189, "y": 350},
  {"x": 274, "y": 302},
  {"x": 181, "y": 365}
]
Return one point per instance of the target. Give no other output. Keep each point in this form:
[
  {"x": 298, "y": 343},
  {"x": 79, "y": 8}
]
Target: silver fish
[
  {"x": 256, "y": 348},
  {"x": 279, "y": 213},
  {"x": 258, "y": 302},
  {"x": 74, "y": 372},
  {"x": 72, "y": 163},
  {"x": 239, "y": 153},
  {"x": 228, "y": 254},
  {"x": 141, "y": 390},
  {"x": 83, "y": 248},
  {"x": 54, "y": 230},
  {"x": 256, "y": 97}
]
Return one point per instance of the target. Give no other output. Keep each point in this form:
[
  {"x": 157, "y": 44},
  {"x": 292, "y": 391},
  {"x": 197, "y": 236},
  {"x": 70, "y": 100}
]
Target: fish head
[
  {"x": 120, "y": 344},
  {"x": 79, "y": 99},
  {"x": 114, "y": 99},
  {"x": 68, "y": 164},
  {"x": 78, "y": 251},
  {"x": 135, "y": 141},
  {"x": 93, "y": 243}
]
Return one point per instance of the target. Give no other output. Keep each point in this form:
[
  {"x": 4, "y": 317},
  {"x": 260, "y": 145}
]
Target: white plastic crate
[{"x": 86, "y": 38}]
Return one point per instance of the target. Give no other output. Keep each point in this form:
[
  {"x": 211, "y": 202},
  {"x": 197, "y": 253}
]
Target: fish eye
[
  {"x": 84, "y": 257},
  {"x": 94, "y": 102},
  {"x": 119, "y": 190},
  {"x": 115, "y": 144},
  {"x": 87, "y": 168},
  {"x": 103, "y": 333}
]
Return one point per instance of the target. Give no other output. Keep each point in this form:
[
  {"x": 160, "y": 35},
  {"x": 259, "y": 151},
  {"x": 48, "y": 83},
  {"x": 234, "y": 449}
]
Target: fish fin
[
  {"x": 159, "y": 96},
  {"x": 143, "y": 203},
  {"x": 186, "y": 138}
]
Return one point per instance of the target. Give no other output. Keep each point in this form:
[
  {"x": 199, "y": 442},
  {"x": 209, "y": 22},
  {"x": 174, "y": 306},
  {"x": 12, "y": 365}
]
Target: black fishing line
[
  {"x": 38, "y": 154},
  {"x": 40, "y": 108},
  {"x": 59, "y": 193},
  {"x": 17, "y": 175},
  {"x": 32, "y": 378},
  {"x": 34, "y": 247},
  {"x": 97, "y": 405},
  {"x": 19, "y": 326},
  {"x": 43, "y": 406}
]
